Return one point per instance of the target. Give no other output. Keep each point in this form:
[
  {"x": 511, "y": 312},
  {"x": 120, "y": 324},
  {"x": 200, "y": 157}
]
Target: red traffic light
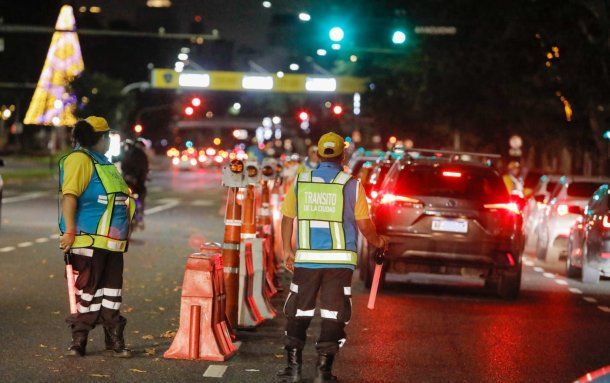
[
  {"x": 189, "y": 110},
  {"x": 337, "y": 110},
  {"x": 138, "y": 128},
  {"x": 195, "y": 101},
  {"x": 303, "y": 116}
]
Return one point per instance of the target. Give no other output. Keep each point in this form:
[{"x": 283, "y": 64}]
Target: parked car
[
  {"x": 589, "y": 242},
  {"x": 448, "y": 217},
  {"x": 536, "y": 205},
  {"x": 566, "y": 205}
]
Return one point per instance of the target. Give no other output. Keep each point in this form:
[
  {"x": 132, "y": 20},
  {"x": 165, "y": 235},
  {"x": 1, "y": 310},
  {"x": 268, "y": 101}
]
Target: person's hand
[
  {"x": 66, "y": 241},
  {"x": 383, "y": 242},
  {"x": 289, "y": 260}
]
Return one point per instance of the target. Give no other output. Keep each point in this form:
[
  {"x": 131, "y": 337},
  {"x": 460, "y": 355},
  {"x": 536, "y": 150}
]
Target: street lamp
[
  {"x": 294, "y": 67},
  {"x": 304, "y": 16},
  {"x": 336, "y": 34},
  {"x": 267, "y": 4},
  {"x": 321, "y": 52}
]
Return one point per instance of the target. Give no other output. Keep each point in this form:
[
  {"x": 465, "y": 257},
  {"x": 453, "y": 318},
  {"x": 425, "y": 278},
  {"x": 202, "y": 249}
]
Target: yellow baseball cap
[
  {"x": 330, "y": 145},
  {"x": 99, "y": 124}
]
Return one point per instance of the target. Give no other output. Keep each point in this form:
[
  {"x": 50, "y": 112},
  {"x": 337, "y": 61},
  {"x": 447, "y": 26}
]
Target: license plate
[{"x": 450, "y": 225}]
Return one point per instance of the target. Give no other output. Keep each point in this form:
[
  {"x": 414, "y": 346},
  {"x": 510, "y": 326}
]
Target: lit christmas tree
[{"x": 51, "y": 103}]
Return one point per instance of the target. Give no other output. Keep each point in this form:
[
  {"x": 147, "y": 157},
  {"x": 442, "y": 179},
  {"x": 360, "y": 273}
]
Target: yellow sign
[{"x": 256, "y": 82}]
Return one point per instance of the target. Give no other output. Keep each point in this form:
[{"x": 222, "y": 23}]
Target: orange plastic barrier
[{"x": 203, "y": 332}]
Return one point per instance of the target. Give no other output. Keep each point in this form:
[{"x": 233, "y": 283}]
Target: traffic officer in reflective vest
[
  {"x": 96, "y": 213},
  {"x": 330, "y": 206}
]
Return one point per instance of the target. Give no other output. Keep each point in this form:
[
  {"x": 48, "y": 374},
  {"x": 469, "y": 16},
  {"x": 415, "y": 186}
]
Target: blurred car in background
[
  {"x": 536, "y": 204},
  {"x": 376, "y": 176},
  {"x": 356, "y": 163},
  {"x": 589, "y": 241},
  {"x": 448, "y": 217},
  {"x": 566, "y": 205}
]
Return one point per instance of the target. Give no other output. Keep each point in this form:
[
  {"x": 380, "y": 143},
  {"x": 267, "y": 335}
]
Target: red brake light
[
  {"x": 606, "y": 222},
  {"x": 387, "y": 199},
  {"x": 452, "y": 174},
  {"x": 511, "y": 207},
  {"x": 562, "y": 209}
]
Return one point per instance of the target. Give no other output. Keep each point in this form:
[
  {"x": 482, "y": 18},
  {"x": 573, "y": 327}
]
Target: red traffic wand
[
  {"x": 379, "y": 256},
  {"x": 70, "y": 280}
]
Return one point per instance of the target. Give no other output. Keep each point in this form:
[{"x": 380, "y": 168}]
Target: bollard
[{"x": 230, "y": 254}]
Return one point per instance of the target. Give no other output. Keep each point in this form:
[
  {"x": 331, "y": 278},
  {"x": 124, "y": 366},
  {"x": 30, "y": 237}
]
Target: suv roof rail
[{"x": 452, "y": 155}]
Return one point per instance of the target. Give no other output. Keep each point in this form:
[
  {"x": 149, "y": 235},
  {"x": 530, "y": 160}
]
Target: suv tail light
[
  {"x": 399, "y": 200},
  {"x": 606, "y": 222},
  {"x": 564, "y": 209},
  {"x": 510, "y": 206}
]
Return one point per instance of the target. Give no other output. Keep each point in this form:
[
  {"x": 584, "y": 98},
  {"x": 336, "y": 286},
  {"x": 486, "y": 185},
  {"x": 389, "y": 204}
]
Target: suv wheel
[
  {"x": 509, "y": 284},
  {"x": 540, "y": 249},
  {"x": 571, "y": 270},
  {"x": 589, "y": 274}
]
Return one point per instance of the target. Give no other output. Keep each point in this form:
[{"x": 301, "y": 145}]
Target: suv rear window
[
  {"x": 583, "y": 189},
  {"x": 484, "y": 186}
]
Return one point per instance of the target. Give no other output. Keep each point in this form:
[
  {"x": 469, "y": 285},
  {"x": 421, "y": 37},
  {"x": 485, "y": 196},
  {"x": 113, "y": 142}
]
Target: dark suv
[{"x": 449, "y": 217}]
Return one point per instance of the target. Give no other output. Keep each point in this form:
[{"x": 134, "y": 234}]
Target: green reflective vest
[{"x": 320, "y": 205}]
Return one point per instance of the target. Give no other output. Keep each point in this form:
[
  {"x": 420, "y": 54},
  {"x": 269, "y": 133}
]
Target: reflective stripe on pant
[
  {"x": 333, "y": 286},
  {"x": 99, "y": 289}
]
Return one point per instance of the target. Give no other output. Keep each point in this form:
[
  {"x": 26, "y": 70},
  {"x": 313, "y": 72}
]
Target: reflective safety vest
[
  {"x": 105, "y": 209},
  {"x": 320, "y": 207}
]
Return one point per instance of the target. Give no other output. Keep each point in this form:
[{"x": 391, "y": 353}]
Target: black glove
[{"x": 379, "y": 256}]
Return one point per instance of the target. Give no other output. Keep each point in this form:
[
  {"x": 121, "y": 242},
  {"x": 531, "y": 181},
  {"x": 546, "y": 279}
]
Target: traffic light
[
  {"x": 399, "y": 37},
  {"x": 606, "y": 135},
  {"x": 138, "y": 128},
  {"x": 189, "y": 111},
  {"x": 303, "y": 116},
  {"x": 336, "y": 34},
  {"x": 337, "y": 110}
]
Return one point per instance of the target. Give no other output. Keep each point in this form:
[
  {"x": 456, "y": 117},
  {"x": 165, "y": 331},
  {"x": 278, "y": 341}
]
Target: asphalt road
[{"x": 432, "y": 331}]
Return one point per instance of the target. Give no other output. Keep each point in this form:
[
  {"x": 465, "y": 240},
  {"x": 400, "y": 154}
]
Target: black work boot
[
  {"x": 79, "y": 344},
  {"x": 115, "y": 343},
  {"x": 292, "y": 372},
  {"x": 324, "y": 368}
]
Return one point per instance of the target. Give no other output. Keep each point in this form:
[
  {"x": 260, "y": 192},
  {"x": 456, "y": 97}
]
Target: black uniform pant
[
  {"x": 334, "y": 288},
  {"x": 98, "y": 289}
]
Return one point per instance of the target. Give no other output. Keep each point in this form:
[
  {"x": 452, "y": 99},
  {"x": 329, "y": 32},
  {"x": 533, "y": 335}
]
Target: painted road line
[
  {"x": 7, "y": 249},
  {"x": 41, "y": 240},
  {"x": 575, "y": 290},
  {"x": 527, "y": 262},
  {"x": 24, "y": 197},
  {"x": 549, "y": 275},
  {"x": 538, "y": 269},
  {"x": 561, "y": 282},
  {"x": 54, "y": 236},
  {"x": 170, "y": 204},
  {"x": 203, "y": 203},
  {"x": 590, "y": 299},
  {"x": 605, "y": 309},
  {"x": 215, "y": 371},
  {"x": 25, "y": 244}
]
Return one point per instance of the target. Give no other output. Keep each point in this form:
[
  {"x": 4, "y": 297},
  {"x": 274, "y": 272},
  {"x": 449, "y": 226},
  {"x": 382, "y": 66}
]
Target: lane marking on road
[
  {"x": 7, "y": 249},
  {"x": 41, "y": 240},
  {"x": 170, "y": 204},
  {"x": 574, "y": 290},
  {"x": 605, "y": 309},
  {"x": 24, "y": 197},
  {"x": 590, "y": 299},
  {"x": 549, "y": 275},
  {"x": 203, "y": 203},
  {"x": 538, "y": 269},
  {"x": 25, "y": 244},
  {"x": 561, "y": 282},
  {"x": 54, "y": 236},
  {"x": 215, "y": 371}
]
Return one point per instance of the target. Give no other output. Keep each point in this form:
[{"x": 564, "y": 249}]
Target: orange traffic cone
[{"x": 203, "y": 332}]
